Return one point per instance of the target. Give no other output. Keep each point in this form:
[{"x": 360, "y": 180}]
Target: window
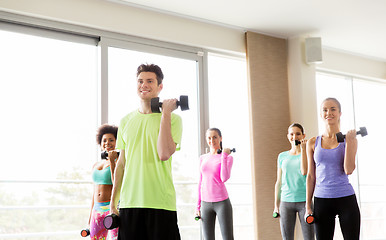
[
  {"x": 228, "y": 111},
  {"x": 48, "y": 95},
  {"x": 361, "y": 99},
  {"x": 56, "y": 90}
]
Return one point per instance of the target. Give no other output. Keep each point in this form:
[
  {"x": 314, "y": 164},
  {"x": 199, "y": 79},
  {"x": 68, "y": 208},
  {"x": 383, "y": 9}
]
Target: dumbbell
[
  {"x": 85, "y": 232},
  {"x": 310, "y": 219},
  {"x": 111, "y": 221},
  {"x": 297, "y": 142},
  {"x": 275, "y": 215},
  {"x": 340, "y": 136},
  {"x": 183, "y": 103},
  {"x": 220, "y": 150},
  {"x": 197, "y": 218},
  {"x": 105, "y": 154}
]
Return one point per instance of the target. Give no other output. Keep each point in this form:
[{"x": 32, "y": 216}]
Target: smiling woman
[{"x": 356, "y": 95}]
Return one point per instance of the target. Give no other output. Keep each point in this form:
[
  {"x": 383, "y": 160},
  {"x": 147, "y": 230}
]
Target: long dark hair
[{"x": 298, "y": 126}]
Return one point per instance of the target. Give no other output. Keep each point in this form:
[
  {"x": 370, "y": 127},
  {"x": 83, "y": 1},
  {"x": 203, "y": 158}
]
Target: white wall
[
  {"x": 301, "y": 77},
  {"x": 353, "y": 64},
  {"x": 110, "y": 16}
]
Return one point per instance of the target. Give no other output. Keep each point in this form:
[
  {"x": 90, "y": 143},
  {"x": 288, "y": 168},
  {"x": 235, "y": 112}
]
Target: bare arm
[
  {"x": 198, "y": 207},
  {"x": 311, "y": 178},
  {"x": 304, "y": 163},
  {"x": 350, "y": 152},
  {"x": 112, "y": 155},
  {"x": 92, "y": 206},
  {"x": 277, "y": 190},
  {"x": 118, "y": 176},
  {"x": 165, "y": 144}
]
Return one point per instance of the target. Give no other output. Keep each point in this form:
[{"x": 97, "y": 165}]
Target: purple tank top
[{"x": 331, "y": 180}]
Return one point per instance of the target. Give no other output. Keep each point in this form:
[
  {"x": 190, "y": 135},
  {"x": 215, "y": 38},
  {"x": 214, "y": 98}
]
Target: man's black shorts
[{"x": 148, "y": 224}]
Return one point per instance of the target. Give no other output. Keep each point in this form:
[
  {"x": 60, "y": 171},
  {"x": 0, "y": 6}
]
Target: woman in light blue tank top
[
  {"x": 329, "y": 164},
  {"x": 102, "y": 175},
  {"x": 290, "y": 187}
]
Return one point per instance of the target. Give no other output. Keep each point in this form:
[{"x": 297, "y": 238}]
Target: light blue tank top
[
  {"x": 102, "y": 177},
  {"x": 331, "y": 180},
  {"x": 293, "y": 183}
]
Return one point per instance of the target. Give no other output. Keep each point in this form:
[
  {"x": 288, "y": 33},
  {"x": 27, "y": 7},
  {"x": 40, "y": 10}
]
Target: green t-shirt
[
  {"x": 293, "y": 183},
  {"x": 147, "y": 181}
]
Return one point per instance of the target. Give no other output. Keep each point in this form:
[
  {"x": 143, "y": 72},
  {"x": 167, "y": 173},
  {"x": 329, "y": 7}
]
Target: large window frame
[{"x": 105, "y": 39}]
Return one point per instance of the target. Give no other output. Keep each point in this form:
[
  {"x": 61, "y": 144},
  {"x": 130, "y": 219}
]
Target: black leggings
[{"x": 325, "y": 210}]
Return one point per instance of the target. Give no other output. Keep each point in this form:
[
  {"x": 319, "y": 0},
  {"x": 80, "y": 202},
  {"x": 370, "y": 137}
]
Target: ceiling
[{"x": 354, "y": 26}]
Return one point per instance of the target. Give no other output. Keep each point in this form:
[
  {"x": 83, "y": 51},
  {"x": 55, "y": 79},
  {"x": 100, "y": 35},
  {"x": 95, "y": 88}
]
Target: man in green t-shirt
[{"x": 143, "y": 183}]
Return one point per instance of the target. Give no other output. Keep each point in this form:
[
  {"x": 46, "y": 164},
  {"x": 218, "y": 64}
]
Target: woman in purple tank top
[{"x": 329, "y": 164}]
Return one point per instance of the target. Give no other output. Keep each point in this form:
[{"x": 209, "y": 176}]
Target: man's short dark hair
[{"x": 151, "y": 68}]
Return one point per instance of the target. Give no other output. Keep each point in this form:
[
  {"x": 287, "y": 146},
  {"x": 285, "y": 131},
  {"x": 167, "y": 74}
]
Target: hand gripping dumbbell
[
  {"x": 275, "y": 215},
  {"x": 197, "y": 217},
  {"x": 310, "y": 219},
  {"x": 105, "y": 154},
  {"x": 111, "y": 221},
  {"x": 340, "y": 136},
  {"x": 85, "y": 232},
  {"x": 220, "y": 150},
  {"x": 155, "y": 104},
  {"x": 297, "y": 142}
]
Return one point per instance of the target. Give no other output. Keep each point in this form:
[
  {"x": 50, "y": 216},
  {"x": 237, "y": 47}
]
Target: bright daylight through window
[{"x": 49, "y": 118}]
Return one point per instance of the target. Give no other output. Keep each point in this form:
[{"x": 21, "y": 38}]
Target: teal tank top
[
  {"x": 293, "y": 183},
  {"x": 102, "y": 177}
]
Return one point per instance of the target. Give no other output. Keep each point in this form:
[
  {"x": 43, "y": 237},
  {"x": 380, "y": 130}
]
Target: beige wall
[{"x": 269, "y": 120}]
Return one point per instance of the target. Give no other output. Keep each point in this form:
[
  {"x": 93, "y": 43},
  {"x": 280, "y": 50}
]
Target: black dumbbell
[
  {"x": 340, "y": 136},
  {"x": 105, "y": 154},
  {"x": 85, "y": 232},
  {"x": 197, "y": 218},
  {"x": 275, "y": 215},
  {"x": 297, "y": 142},
  {"x": 155, "y": 104},
  {"x": 111, "y": 221},
  {"x": 220, "y": 150},
  {"x": 310, "y": 219}
]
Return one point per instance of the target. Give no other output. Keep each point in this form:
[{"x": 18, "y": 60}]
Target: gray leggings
[
  {"x": 223, "y": 210},
  {"x": 288, "y": 212}
]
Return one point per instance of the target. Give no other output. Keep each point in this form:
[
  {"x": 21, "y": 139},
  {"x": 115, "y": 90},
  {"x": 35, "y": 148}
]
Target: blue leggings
[
  {"x": 288, "y": 211},
  {"x": 325, "y": 212},
  {"x": 223, "y": 210}
]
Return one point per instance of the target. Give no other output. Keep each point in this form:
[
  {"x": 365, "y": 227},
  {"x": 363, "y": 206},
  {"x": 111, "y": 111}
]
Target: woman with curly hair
[{"x": 103, "y": 178}]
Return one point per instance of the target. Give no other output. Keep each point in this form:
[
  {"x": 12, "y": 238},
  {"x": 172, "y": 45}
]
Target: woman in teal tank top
[
  {"x": 290, "y": 187},
  {"x": 102, "y": 175}
]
